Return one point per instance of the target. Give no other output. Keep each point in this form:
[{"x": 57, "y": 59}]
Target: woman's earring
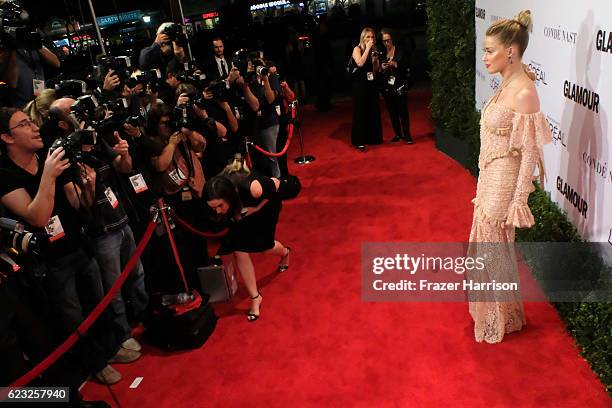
[{"x": 510, "y": 58}]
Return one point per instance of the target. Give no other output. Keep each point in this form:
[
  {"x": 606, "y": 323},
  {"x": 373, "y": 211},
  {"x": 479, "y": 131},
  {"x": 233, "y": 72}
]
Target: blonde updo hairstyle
[
  {"x": 514, "y": 31},
  {"x": 237, "y": 170}
]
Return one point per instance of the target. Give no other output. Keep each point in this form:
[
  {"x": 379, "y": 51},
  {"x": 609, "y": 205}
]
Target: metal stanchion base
[{"x": 304, "y": 159}]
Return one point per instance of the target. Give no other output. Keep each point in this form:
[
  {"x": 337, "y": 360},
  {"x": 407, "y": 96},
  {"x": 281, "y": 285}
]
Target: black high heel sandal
[
  {"x": 251, "y": 317},
  {"x": 282, "y": 267}
]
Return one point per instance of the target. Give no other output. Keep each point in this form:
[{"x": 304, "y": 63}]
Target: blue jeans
[
  {"x": 113, "y": 250},
  {"x": 269, "y": 165}
]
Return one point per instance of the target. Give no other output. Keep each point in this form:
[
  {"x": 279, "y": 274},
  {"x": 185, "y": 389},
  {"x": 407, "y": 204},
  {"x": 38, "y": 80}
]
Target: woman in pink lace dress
[{"x": 513, "y": 131}]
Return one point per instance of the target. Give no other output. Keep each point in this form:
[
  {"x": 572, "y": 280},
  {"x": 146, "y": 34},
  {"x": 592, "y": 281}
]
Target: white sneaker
[{"x": 131, "y": 344}]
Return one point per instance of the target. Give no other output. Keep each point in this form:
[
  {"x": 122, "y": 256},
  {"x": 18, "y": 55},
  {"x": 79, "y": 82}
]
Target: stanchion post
[{"x": 302, "y": 159}]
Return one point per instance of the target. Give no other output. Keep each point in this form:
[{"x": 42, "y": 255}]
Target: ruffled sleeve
[{"x": 530, "y": 132}]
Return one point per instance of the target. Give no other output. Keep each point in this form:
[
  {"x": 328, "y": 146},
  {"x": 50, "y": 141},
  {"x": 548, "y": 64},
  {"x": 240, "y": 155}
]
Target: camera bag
[{"x": 180, "y": 327}]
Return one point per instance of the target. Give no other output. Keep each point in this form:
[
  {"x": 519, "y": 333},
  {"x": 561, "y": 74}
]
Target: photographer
[
  {"x": 38, "y": 108},
  {"x": 250, "y": 205},
  {"x": 167, "y": 46},
  {"x": 180, "y": 178},
  {"x": 31, "y": 73},
  {"x": 109, "y": 228},
  {"x": 395, "y": 82},
  {"x": 266, "y": 89},
  {"x": 37, "y": 190}
]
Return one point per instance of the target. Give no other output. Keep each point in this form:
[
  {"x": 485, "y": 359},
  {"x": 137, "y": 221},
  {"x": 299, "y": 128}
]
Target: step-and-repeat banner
[{"x": 570, "y": 50}]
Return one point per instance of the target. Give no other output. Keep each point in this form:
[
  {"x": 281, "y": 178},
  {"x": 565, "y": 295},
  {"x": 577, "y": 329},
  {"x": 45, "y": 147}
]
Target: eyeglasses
[
  {"x": 24, "y": 123},
  {"x": 389, "y": 40}
]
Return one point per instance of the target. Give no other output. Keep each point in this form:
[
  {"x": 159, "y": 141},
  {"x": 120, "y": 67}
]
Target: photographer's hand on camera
[
  {"x": 111, "y": 81},
  {"x": 55, "y": 164},
  {"x": 182, "y": 99},
  {"x": 131, "y": 131}
]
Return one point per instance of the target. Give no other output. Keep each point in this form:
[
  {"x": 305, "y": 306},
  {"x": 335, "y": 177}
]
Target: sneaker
[
  {"x": 131, "y": 344},
  {"x": 408, "y": 140},
  {"x": 108, "y": 375},
  {"x": 124, "y": 356}
]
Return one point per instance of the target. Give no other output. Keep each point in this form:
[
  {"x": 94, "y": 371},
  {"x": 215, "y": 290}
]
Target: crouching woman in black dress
[{"x": 251, "y": 205}]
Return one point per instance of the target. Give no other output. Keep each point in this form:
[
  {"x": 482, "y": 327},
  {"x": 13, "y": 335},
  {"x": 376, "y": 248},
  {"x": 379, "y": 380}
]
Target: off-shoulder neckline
[{"x": 507, "y": 108}]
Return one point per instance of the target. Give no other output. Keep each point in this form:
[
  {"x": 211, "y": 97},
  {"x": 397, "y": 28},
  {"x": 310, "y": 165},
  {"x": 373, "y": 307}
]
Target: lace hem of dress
[{"x": 499, "y": 319}]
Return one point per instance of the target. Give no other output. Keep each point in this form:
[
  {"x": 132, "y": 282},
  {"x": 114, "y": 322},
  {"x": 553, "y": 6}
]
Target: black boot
[{"x": 408, "y": 140}]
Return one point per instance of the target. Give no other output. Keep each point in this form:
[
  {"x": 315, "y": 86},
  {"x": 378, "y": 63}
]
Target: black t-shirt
[
  {"x": 109, "y": 214},
  {"x": 13, "y": 177},
  {"x": 267, "y": 115}
]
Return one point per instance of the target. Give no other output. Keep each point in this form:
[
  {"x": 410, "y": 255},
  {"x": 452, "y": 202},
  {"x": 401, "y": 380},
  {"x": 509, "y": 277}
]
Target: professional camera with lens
[
  {"x": 14, "y": 237},
  {"x": 73, "y": 145},
  {"x": 73, "y": 88},
  {"x": 152, "y": 78},
  {"x": 183, "y": 116},
  {"x": 242, "y": 59},
  {"x": 176, "y": 33},
  {"x": 15, "y": 30},
  {"x": 86, "y": 109},
  {"x": 195, "y": 78},
  {"x": 120, "y": 65},
  {"x": 219, "y": 89}
]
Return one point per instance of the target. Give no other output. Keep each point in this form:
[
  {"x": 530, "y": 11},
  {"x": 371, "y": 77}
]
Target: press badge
[
  {"x": 392, "y": 80},
  {"x": 38, "y": 85},
  {"x": 177, "y": 176},
  {"x": 112, "y": 198},
  {"x": 278, "y": 110},
  {"x": 370, "y": 76},
  {"x": 138, "y": 183},
  {"x": 54, "y": 229},
  {"x": 186, "y": 194}
]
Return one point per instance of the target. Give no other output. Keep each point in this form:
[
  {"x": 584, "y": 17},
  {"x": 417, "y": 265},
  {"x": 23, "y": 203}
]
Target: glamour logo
[
  {"x": 582, "y": 96},
  {"x": 560, "y": 34},
  {"x": 539, "y": 72},
  {"x": 559, "y": 137},
  {"x": 598, "y": 166},
  {"x": 480, "y": 13},
  {"x": 573, "y": 197},
  {"x": 603, "y": 41},
  {"x": 495, "y": 18}
]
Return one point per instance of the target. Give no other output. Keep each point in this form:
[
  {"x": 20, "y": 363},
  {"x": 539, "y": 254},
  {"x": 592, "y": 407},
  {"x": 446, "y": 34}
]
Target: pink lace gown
[{"x": 511, "y": 147}]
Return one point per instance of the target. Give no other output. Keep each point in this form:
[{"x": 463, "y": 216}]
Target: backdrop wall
[{"x": 570, "y": 50}]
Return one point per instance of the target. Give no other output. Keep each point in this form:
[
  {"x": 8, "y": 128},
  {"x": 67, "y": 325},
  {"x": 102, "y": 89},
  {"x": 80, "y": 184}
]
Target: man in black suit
[{"x": 218, "y": 66}]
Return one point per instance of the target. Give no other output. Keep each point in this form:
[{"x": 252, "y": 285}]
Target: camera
[
  {"x": 120, "y": 65},
  {"x": 195, "y": 78},
  {"x": 15, "y": 29},
  {"x": 183, "y": 116},
  {"x": 86, "y": 109},
  {"x": 73, "y": 88},
  {"x": 151, "y": 77},
  {"x": 73, "y": 145},
  {"x": 175, "y": 33},
  {"x": 243, "y": 58},
  {"x": 219, "y": 89},
  {"x": 14, "y": 237}
]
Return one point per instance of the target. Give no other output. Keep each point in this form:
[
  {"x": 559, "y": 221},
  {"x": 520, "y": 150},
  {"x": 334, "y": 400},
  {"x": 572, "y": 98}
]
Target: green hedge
[{"x": 452, "y": 54}]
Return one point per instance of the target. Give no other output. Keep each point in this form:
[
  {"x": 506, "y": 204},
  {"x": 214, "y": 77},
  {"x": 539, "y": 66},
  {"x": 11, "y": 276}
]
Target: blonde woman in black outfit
[{"x": 367, "y": 127}]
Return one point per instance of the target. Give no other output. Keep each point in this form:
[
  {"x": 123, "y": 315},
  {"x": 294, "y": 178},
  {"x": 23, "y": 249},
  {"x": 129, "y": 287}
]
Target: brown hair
[{"x": 515, "y": 31}]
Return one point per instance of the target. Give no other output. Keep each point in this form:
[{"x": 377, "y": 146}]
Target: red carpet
[{"x": 318, "y": 344}]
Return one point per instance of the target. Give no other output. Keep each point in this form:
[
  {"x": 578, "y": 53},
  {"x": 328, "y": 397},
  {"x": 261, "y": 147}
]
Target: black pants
[
  {"x": 74, "y": 287},
  {"x": 397, "y": 106},
  {"x": 25, "y": 328}
]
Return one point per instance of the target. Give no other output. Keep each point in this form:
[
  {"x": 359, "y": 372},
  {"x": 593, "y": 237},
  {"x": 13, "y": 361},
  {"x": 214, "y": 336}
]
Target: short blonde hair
[
  {"x": 38, "y": 109},
  {"x": 364, "y": 32}
]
